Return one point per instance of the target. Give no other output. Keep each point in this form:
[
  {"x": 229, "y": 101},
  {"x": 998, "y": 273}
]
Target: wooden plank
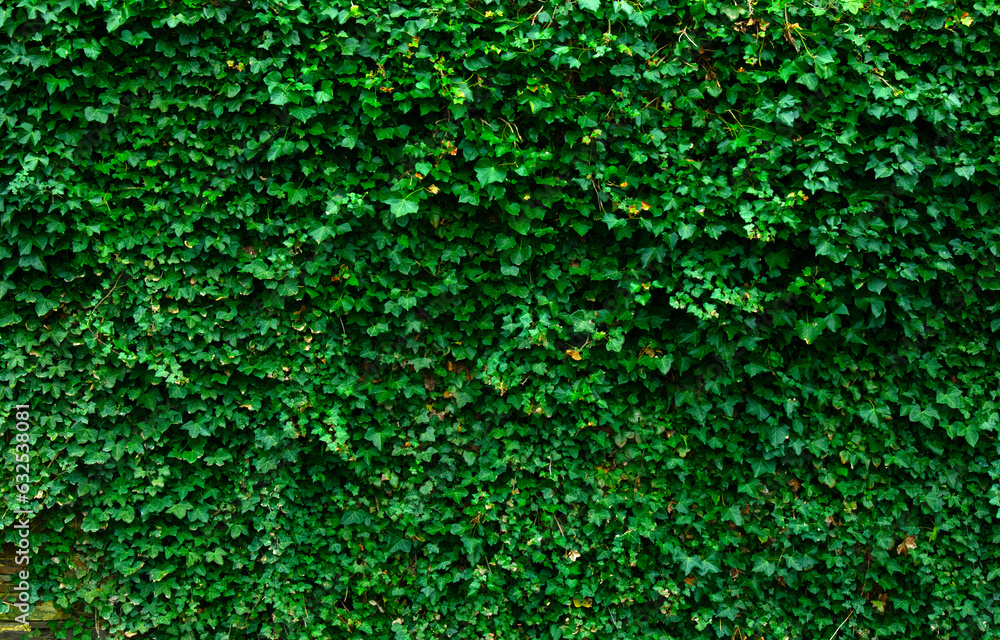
[
  {"x": 42, "y": 612},
  {"x": 9, "y": 631},
  {"x": 39, "y": 617}
]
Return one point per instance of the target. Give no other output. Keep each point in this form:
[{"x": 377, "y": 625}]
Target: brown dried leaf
[
  {"x": 429, "y": 381},
  {"x": 909, "y": 542},
  {"x": 787, "y": 34}
]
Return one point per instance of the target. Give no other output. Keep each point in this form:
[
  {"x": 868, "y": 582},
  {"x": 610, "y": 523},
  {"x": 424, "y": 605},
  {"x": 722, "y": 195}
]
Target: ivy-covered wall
[{"x": 504, "y": 320}]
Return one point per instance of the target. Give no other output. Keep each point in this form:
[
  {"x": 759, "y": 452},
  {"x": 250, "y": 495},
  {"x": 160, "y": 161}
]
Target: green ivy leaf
[
  {"x": 811, "y": 80},
  {"x": 687, "y": 231},
  {"x": 375, "y": 436},
  {"x": 808, "y": 331},
  {"x": 354, "y": 517},
  {"x": 400, "y": 207},
  {"x": 969, "y": 431},
  {"x": 689, "y": 564},
  {"x": 951, "y": 398},
  {"x": 489, "y": 173},
  {"x": 115, "y": 20},
  {"x": 799, "y": 561},
  {"x": 966, "y": 171},
  {"x": 764, "y": 566},
  {"x": 925, "y": 416},
  {"x": 733, "y": 514},
  {"x": 180, "y": 509},
  {"x": 762, "y": 467}
]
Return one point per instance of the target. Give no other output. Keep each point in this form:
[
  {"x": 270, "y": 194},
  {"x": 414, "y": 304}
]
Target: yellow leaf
[
  {"x": 573, "y": 353},
  {"x": 582, "y": 603}
]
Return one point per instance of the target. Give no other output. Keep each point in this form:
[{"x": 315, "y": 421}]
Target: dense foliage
[{"x": 503, "y": 319}]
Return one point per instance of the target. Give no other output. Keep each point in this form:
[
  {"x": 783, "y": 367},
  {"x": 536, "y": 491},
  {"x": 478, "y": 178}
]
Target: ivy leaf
[
  {"x": 755, "y": 408},
  {"x": 616, "y": 340},
  {"x": 180, "y": 509},
  {"x": 200, "y": 513},
  {"x": 354, "y": 517},
  {"x": 762, "y": 467},
  {"x": 808, "y": 331},
  {"x": 733, "y": 12},
  {"x": 324, "y": 93},
  {"x": 44, "y": 305},
  {"x": 400, "y": 207},
  {"x": 776, "y": 435},
  {"x": 868, "y": 414},
  {"x": 399, "y": 545},
  {"x": 266, "y": 440},
  {"x": 614, "y": 221},
  {"x": 321, "y": 233},
  {"x": 520, "y": 254},
  {"x": 764, "y": 565},
  {"x": 217, "y": 555},
  {"x": 925, "y": 416},
  {"x": 733, "y": 514},
  {"x": 260, "y": 269},
  {"x": 302, "y": 113},
  {"x": 799, "y": 561},
  {"x": 686, "y": 231},
  {"x": 951, "y": 398},
  {"x": 883, "y": 171},
  {"x": 280, "y": 96},
  {"x": 689, "y": 564},
  {"x": 488, "y": 174},
  {"x": 375, "y": 437},
  {"x": 811, "y": 80},
  {"x": 966, "y": 171},
  {"x": 582, "y": 323},
  {"x": 115, "y": 20},
  {"x": 592, "y": 5},
  {"x": 100, "y": 115},
  {"x": 969, "y": 431}
]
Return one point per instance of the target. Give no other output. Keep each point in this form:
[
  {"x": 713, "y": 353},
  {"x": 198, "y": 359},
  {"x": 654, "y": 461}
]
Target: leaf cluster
[{"x": 505, "y": 319}]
